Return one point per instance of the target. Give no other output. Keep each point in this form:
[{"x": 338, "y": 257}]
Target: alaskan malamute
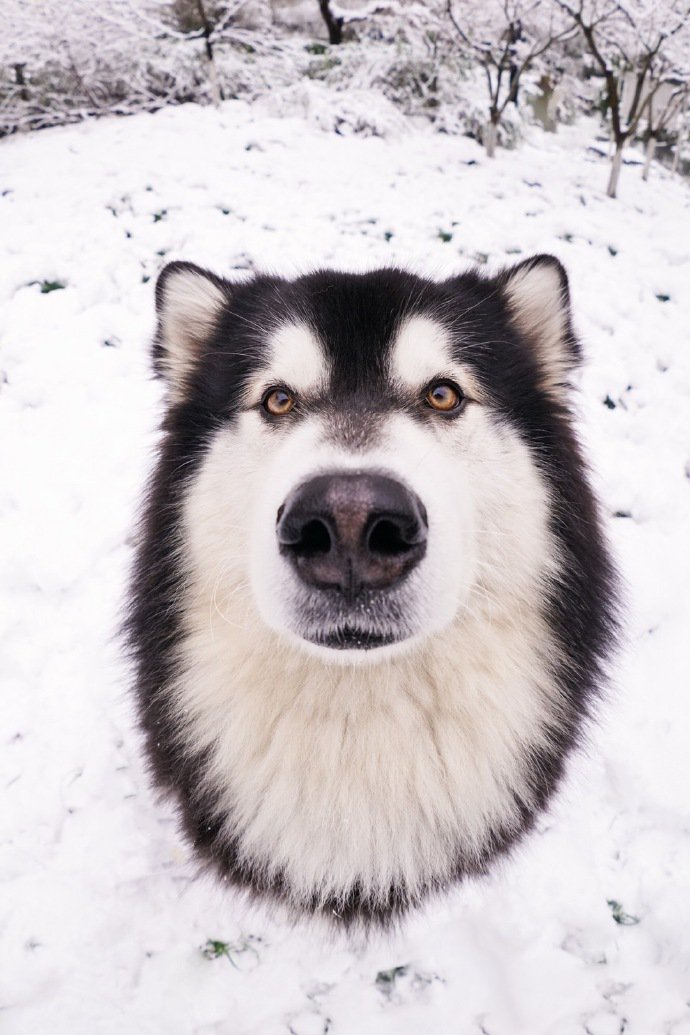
[{"x": 372, "y": 603}]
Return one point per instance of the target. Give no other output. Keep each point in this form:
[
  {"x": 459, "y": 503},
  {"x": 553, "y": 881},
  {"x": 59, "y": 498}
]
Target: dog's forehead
[
  {"x": 419, "y": 349},
  {"x": 359, "y": 334},
  {"x": 355, "y": 319}
]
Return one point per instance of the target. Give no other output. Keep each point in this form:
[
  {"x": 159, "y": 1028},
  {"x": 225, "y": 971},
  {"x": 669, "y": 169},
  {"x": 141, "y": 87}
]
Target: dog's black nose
[{"x": 352, "y": 531}]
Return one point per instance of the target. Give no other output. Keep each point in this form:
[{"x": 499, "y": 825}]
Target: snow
[{"x": 104, "y": 918}]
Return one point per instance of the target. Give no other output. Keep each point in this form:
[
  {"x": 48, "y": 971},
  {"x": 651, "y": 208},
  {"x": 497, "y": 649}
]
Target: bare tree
[
  {"x": 507, "y": 38},
  {"x": 664, "y": 113},
  {"x": 636, "y": 37},
  {"x": 199, "y": 18},
  {"x": 208, "y": 20},
  {"x": 681, "y": 136}
]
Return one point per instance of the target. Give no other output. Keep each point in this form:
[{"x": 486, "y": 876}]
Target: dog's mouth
[
  {"x": 375, "y": 620},
  {"x": 348, "y": 637}
]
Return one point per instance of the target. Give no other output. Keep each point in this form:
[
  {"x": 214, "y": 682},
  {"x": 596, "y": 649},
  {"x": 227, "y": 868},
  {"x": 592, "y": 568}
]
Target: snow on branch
[
  {"x": 507, "y": 38},
  {"x": 637, "y": 46}
]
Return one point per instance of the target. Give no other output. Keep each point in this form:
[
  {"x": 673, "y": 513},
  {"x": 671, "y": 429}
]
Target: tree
[
  {"x": 507, "y": 38},
  {"x": 337, "y": 19},
  {"x": 681, "y": 135},
  {"x": 209, "y": 20},
  {"x": 664, "y": 115},
  {"x": 191, "y": 20},
  {"x": 645, "y": 40},
  {"x": 334, "y": 22}
]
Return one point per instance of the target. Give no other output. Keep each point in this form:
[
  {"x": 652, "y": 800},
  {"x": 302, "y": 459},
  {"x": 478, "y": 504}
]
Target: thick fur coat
[{"x": 350, "y": 746}]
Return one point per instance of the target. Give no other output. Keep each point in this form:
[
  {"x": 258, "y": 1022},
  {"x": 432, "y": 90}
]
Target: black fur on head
[{"x": 514, "y": 331}]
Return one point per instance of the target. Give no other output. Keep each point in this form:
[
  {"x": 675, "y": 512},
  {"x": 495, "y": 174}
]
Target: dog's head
[{"x": 358, "y": 444}]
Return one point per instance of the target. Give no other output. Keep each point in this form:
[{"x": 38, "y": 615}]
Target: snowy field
[{"x": 586, "y": 930}]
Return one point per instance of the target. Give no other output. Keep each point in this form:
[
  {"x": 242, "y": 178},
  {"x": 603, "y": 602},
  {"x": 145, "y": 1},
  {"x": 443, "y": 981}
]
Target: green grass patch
[
  {"x": 619, "y": 915},
  {"x": 233, "y": 952},
  {"x": 386, "y": 979},
  {"x": 49, "y": 285}
]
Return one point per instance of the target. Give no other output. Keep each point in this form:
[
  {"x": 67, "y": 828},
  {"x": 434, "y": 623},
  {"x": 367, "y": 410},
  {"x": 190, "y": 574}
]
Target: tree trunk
[
  {"x": 490, "y": 138},
  {"x": 21, "y": 81},
  {"x": 514, "y": 84},
  {"x": 676, "y": 153},
  {"x": 216, "y": 92},
  {"x": 333, "y": 24},
  {"x": 615, "y": 171},
  {"x": 515, "y": 35},
  {"x": 649, "y": 153}
]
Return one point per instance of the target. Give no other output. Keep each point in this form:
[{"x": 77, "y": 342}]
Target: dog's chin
[
  {"x": 352, "y": 644},
  {"x": 350, "y": 637}
]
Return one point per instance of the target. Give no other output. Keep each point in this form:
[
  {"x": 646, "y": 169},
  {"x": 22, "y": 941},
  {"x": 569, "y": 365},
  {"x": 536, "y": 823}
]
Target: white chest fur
[{"x": 365, "y": 776}]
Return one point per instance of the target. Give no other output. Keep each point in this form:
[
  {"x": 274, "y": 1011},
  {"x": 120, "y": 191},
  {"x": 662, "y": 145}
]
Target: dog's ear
[
  {"x": 189, "y": 302},
  {"x": 536, "y": 293}
]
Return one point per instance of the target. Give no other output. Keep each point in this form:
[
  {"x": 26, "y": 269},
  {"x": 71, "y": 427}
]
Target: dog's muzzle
[{"x": 352, "y": 533}]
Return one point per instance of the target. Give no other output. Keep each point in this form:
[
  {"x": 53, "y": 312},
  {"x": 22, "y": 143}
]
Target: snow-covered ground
[{"x": 587, "y": 928}]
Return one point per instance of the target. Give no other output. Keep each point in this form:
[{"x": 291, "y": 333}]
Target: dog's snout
[{"x": 352, "y": 531}]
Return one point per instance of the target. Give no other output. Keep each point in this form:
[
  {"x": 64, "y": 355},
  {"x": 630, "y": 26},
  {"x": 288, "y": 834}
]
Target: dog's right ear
[{"x": 189, "y": 302}]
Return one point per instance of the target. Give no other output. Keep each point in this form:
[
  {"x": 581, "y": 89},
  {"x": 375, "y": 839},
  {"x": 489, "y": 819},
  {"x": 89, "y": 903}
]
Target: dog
[{"x": 372, "y": 605}]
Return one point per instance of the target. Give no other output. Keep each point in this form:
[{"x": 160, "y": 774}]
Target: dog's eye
[
  {"x": 444, "y": 396},
  {"x": 278, "y": 402}
]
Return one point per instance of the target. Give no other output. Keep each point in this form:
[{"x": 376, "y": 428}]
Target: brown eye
[
  {"x": 444, "y": 397},
  {"x": 278, "y": 402}
]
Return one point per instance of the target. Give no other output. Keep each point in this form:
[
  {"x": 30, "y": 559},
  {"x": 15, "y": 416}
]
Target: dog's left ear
[
  {"x": 189, "y": 303},
  {"x": 538, "y": 300}
]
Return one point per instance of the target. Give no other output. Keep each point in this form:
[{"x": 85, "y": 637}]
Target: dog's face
[
  {"x": 360, "y": 524},
  {"x": 364, "y": 471}
]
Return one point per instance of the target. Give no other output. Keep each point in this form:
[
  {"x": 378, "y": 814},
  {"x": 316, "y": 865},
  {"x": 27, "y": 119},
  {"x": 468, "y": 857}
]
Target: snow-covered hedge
[{"x": 119, "y": 56}]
